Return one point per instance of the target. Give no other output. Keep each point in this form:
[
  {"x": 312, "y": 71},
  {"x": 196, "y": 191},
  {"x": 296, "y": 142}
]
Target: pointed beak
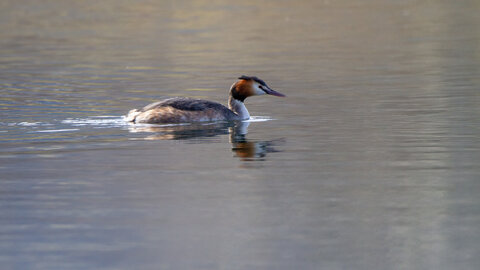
[{"x": 272, "y": 92}]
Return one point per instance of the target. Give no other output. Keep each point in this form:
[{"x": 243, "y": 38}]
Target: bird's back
[{"x": 177, "y": 110}]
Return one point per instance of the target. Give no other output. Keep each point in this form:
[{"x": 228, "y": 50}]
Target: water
[{"x": 371, "y": 162}]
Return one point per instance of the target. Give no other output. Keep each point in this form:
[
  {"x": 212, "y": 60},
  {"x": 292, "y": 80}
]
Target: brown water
[{"x": 372, "y": 162}]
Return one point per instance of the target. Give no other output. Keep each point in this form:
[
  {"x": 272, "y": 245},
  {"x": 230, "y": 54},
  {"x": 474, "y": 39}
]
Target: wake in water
[
  {"x": 102, "y": 121},
  {"x": 67, "y": 125},
  {"x": 97, "y": 121},
  {"x": 72, "y": 126},
  {"x": 258, "y": 119}
]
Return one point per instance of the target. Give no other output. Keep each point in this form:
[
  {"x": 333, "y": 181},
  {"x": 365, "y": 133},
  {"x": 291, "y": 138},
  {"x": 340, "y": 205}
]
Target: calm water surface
[{"x": 372, "y": 162}]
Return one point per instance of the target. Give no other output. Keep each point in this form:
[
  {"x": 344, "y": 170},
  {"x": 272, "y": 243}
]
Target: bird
[{"x": 186, "y": 110}]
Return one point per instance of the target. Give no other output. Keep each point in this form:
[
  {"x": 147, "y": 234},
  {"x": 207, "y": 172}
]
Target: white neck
[{"x": 239, "y": 108}]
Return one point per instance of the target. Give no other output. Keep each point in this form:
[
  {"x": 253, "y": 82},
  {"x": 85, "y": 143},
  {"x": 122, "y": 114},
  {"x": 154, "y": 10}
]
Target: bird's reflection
[
  {"x": 242, "y": 147},
  {"x": 248, "y": 150},
  {"x": 181, "y": 132}
]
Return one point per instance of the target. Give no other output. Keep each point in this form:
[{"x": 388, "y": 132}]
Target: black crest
[{"x": 243, "y": 77}]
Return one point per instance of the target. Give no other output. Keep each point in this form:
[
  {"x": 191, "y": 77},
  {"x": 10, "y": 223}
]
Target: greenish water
[{"x": 371, "y": 162}]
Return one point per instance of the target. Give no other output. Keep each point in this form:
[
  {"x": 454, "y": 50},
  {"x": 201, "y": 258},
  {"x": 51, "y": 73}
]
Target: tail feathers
[{"x": 132, "y": 114}]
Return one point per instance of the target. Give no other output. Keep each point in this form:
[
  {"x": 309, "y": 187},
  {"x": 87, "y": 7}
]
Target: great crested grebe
[{"x": 182, "y": 110}]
